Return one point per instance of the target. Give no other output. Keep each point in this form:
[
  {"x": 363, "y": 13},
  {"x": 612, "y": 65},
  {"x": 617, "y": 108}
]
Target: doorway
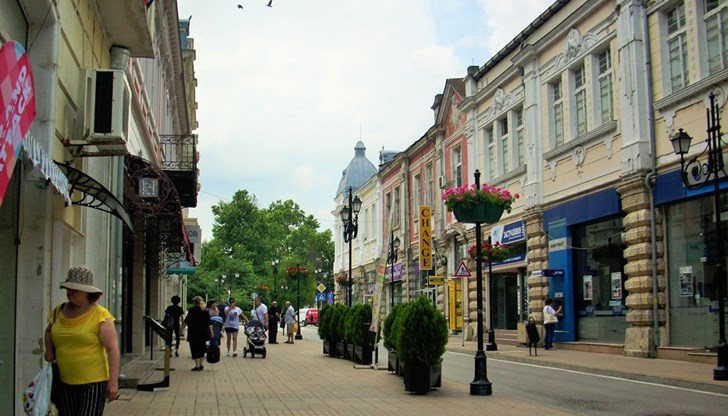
[{"x": 504, "y": 300}]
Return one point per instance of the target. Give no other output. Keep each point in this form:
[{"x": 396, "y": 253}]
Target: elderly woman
[
  {"x": 81, "y": 338},
  {"x": 200, "y": 330}
]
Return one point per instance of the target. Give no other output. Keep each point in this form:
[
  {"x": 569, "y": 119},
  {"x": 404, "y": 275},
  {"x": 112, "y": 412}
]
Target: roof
[{"x": 358, "y": 172}]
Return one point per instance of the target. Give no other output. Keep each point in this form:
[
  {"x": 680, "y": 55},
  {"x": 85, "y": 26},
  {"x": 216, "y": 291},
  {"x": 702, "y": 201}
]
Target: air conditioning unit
[
  {"x": 443, "y": 183},
  {"x": 108, "y": 103}
]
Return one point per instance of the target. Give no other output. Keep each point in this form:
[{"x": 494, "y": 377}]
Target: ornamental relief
[
  {"x": 576, "y": 45},
  {"x": 501, "y": 102}
]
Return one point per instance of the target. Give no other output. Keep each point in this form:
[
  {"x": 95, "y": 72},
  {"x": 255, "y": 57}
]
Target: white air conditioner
[
  {"x": 108, "y": 100},
  {"x": 444, "y": 183}
]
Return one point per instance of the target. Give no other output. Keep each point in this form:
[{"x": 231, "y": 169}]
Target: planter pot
[
  {"x": 481, "y": 212},
  {"x": 420, "y": 379},
  {"x": 327, "y": 347},
  {"x": 349, "y": 353},
  {"x": 340, "y": 349},
  {"x": 392, "y": 362},
  {"x": 363, "y": 354}
]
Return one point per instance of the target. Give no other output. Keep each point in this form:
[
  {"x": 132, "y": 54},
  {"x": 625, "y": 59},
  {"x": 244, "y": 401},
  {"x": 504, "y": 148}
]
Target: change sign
[{"x": 425, "y": 237}]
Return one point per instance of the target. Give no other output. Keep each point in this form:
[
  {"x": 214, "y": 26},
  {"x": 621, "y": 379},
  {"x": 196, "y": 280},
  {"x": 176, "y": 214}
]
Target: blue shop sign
[{"x": 510, "y": 233}]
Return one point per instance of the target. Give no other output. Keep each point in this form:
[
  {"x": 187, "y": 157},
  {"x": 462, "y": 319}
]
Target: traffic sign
[
  {"x": 321, "y": 287},
  {"x": 462, "y": 270},
  {"x": 435, "y": 280}
]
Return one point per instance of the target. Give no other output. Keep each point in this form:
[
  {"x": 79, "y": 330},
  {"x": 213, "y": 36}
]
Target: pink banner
[{"x": 17, "y": 107}]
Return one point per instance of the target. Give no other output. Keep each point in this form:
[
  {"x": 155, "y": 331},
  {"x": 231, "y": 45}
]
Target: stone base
[{"x": 639, "y": 341}]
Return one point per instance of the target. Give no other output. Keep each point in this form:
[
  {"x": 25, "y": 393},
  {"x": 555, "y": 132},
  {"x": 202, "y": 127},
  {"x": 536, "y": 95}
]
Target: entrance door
[{"x": 504, "y": 298}]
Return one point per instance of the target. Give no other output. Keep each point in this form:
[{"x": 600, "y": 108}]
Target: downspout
[{"x": 650, "y": 176}]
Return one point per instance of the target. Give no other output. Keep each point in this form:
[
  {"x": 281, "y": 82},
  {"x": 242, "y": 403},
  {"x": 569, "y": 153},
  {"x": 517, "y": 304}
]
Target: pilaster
[{"x": 538, "y": 259}]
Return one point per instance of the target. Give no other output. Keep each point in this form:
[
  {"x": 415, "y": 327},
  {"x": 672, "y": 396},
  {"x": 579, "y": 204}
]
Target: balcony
[{"x": 179, "y": 162}]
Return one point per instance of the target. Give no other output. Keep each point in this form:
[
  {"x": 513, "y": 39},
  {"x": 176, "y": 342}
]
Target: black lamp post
[
  {"x": 274, "y": 264},
  {"x": 480, "y": 386},
  {"x": 299, "y": 276},
  {"x": 391, "y": 259},
  {"x": 696, "y": 174},
  {"x": 220, "y": 283},
  {"x": 492, "y": 346},
  {"x": 350, "y": 219}
]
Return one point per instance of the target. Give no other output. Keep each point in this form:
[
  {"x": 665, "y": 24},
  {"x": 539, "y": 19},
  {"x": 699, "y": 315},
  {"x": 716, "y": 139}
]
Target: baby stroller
[
  {"x": 255, "y": 334},
  {"x": 213, "y": 346}
]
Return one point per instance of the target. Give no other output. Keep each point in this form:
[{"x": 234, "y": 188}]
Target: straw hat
[{"x": 81, "y": 278}]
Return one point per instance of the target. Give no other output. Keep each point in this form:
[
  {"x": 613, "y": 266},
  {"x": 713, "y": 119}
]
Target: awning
[{"x": 93, "y": 194}]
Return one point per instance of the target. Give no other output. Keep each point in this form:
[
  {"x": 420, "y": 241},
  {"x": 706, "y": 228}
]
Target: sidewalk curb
[{"x": 674, "y": 382}]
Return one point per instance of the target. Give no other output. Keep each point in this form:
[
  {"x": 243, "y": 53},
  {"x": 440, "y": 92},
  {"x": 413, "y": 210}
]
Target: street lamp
[
  {"x": 299, "y": 276},
  {"x": 391, "y": 259},
  {"x": 350, "y": 219},
  {"x": 696, "y": 174},
  {"x": 480, "y": 385},
  {"x": 274, "y": 264},
  {"x": 220, "y": 283}
]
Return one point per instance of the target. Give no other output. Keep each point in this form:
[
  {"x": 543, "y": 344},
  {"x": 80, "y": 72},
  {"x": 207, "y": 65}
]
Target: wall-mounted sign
[
  {"x": 425, "y": 237},
  {"x": 17, "y": 107}
]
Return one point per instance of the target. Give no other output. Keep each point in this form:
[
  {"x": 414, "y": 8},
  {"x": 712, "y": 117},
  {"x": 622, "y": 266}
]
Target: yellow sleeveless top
[{"x": 80, "y": 355}]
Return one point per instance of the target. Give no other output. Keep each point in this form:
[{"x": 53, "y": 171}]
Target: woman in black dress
[{"x": 199, "y": 330}]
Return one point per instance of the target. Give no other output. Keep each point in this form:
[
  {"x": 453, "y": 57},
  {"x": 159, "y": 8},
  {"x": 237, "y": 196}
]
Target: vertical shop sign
[
  {"x": 686, "y": 281},
  {"x": 425, "y": 237},
  {"x": 616, "y": 285},
  {"x": 17, "y": 107}
]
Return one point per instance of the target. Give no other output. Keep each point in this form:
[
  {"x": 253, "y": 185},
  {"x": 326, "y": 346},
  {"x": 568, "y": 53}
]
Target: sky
[{"x": 284, "y": 93}]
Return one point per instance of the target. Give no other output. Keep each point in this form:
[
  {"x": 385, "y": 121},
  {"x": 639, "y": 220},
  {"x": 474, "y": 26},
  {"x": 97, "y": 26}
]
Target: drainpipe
[{"x": 650, "y": 176}]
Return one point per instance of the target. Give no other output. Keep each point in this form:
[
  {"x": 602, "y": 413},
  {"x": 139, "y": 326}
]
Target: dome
[{"x": 358, "y": 172}]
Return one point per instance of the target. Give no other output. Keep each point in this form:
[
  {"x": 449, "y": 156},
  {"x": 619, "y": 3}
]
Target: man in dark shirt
[
  {"x": 274, "y": 316},
  {"x": 176, "y": 312}
]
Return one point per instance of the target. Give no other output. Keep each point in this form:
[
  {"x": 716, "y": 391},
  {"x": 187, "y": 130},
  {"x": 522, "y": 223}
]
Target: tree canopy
[{"x": 246, "y": 238}]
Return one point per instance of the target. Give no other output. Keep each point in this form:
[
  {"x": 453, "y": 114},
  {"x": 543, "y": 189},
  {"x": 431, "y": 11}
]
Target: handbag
[{"x": 295, "y": 327}]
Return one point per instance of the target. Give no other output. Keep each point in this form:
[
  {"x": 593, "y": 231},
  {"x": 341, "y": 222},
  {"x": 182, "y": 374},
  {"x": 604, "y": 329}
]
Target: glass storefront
[
  {"x": 692, "y": 255},
  {"x": 599, "y": 281}
]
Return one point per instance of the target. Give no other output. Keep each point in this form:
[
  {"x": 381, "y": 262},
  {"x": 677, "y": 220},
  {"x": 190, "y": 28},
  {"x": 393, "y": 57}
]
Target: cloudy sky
[{"x": 284, "y": 93}]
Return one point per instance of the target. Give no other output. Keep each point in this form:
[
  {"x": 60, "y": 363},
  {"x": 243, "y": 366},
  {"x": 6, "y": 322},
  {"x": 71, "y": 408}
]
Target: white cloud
[{"x": 284, "y": 92}]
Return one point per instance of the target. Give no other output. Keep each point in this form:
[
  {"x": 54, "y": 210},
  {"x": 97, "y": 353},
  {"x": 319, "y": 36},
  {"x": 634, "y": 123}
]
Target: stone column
[
  {"x": 538, "y": 258},
  {"x": 639, "y": 340}
]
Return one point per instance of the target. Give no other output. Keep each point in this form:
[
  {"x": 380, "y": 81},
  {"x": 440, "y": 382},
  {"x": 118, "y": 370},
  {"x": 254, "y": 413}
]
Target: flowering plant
[
  {"x": 294, "y": 271},
  {"x": 341, "y": 278},
  {"x": 262, "y": 288},
  {"x": 490, "y": 252},
  {"x": 467, "y": 197}
]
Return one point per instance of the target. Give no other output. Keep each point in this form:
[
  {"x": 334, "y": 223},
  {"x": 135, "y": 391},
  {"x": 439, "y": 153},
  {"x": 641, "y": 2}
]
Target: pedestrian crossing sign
[{"x": 462, "y": 270}]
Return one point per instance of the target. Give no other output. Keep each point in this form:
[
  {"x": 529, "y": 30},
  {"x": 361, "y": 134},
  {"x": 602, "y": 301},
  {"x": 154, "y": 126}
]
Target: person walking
[
  {"x": 274, "y": 316},
  {"x": 549, "y": 323},
  {"x": 216, "y": 321},
  {"x": 200, "y": 330},
  {"x": 176, "y": 313},
  {"x": 233, "y": 316},
  {"x": 290, "y": 319},
  {"x": 260, "y": 312},
  {"x": 81, "y": 338}
]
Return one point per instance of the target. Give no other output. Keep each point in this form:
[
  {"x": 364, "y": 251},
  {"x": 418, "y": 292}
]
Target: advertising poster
[
  {"x": 588, "y": 287},
  {"x": 617, "y": 285},
  {"x": 686, "y": 281}
]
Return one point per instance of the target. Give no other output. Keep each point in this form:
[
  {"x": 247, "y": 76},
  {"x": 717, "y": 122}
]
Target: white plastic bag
[{"x": 37, "y": 396}]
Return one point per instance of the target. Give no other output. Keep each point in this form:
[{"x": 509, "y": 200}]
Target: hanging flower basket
[
  {"x": 297, "y": 272},
  {"x": 342, "y": 279},
  {"x": 490, "y": 252},
  {"x": 485, "y": 204},
  {"x": 262, "y": 288}
]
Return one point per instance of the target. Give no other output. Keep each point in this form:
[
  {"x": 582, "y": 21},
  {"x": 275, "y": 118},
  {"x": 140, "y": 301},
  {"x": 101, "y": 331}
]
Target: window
[
  {"x": 557, "y": 108},
  {"x": 490, "y": 143},
  {"x": 520, "y": 146},
  {"x": 716, "y": 33},
  {"x": 503, "y": 130},
  {"x": 417, "y": 196},
  {"x": 580, "y": 100},
  {"x": 397, "y": 204},
  {"x": 388, "y": 209},
  {"x": 365, "y": 228},
  {"x": 429, "y": 185},
  {"x": 457, "y": 167},
  {"x": 677, "y": 48},
  {"x": 606, "y": 100}
]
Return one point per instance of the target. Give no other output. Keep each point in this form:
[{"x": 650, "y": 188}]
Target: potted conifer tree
[
  {"x": 421, "y": 345},
  {"x": 359, "y": 335},
  {"x": 390, "y": 332}
]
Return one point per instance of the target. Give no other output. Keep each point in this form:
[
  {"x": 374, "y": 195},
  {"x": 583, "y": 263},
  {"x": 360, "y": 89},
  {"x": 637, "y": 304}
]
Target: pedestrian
[
  {"x": 81, "y": 339},
  {"x": 274, "y": 316},
  {"x": 200, "y": 330},
  {"x": 233, "y": 316},
  {"x": 176, "y": 312},
  {"x": 215, "y": 319},
  {"x": 260, "y": 312},
  {"x": 549, "y": 323},
  {"x": 290, "y": 319}
]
